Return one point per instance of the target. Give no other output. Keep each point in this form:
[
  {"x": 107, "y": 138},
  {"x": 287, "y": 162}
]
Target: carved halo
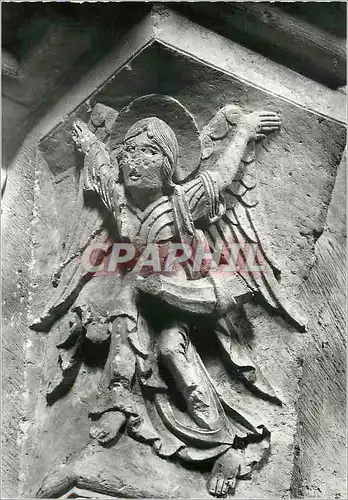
[{"x": 176, "y": 116}]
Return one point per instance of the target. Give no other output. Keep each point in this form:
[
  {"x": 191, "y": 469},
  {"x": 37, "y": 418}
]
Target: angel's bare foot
[
  {"x": 108, "y": 426},
  {"x": 222, "y": 479}
]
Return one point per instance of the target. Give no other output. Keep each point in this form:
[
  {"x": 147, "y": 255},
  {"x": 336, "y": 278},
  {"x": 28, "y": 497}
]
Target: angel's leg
[
  {"x": 115, "y": 385},
  {"x": 174, "y": 348}
]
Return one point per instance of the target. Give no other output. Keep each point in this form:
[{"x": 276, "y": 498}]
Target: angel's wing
[
  {"x": 85, "y": 227},
  {"x": 237, "y": 233},
  {"x": 238, "y": 225}
]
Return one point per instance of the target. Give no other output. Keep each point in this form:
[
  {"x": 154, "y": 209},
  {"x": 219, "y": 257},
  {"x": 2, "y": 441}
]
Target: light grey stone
[{"x": 295, "y": 170}]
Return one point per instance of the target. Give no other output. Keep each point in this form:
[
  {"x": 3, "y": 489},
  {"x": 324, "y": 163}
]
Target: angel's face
[{"x": 142, "y": 163}]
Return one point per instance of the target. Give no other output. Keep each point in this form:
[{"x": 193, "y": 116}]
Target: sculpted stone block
[{"x": 171, "y": 335}]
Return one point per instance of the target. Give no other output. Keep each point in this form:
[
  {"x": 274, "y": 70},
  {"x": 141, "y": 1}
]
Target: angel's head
[{"x": 149, "y": 155}]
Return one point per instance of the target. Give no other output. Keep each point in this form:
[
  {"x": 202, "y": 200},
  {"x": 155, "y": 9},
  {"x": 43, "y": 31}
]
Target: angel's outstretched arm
[
  {"x": 203, "y": 192},
  {"x": 250, "y": 126},
  {"x": 99, "y": 174}
]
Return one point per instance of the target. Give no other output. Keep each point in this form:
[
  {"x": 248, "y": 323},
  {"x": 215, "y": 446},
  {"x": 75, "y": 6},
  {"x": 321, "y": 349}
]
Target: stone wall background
[
  {"x": 319, "y": 465},
  {"x": 17, "y": 212},
  {"x": 320, "y": 450}
]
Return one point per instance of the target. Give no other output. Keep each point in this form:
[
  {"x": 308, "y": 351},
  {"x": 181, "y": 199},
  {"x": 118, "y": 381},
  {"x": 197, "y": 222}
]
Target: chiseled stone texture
[
  {"x": 296, "y": 172},
  {"x": 17, "y": 211},
  {"x": 320, "y": 451}
]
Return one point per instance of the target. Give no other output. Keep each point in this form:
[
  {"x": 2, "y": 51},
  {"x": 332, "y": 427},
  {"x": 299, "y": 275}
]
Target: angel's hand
[
  {"x": 82, "y": 136},
  {"x": 260, "y": 123}
]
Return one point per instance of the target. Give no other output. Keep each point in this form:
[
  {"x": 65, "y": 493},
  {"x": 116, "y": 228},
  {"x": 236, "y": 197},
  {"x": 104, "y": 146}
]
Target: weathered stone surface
[
  {"x": 298, "y": 165},
  {"x": 129, "y": 479},
  {"x": 280, "y": 168},
  {"x": 175, "y": 31},
  {"x": 12, "y": 112},
  {"x": 188, "y": 38},
  {"x": 16, "y": 269},
  {"x": 320, "y": 449},
  {"x": 9, "y": 65},
  {"x": 277, "y": 31}
]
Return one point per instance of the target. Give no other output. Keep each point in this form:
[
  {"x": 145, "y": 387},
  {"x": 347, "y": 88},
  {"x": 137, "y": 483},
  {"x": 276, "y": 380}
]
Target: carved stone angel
[{"x": 155, "y": 381}]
